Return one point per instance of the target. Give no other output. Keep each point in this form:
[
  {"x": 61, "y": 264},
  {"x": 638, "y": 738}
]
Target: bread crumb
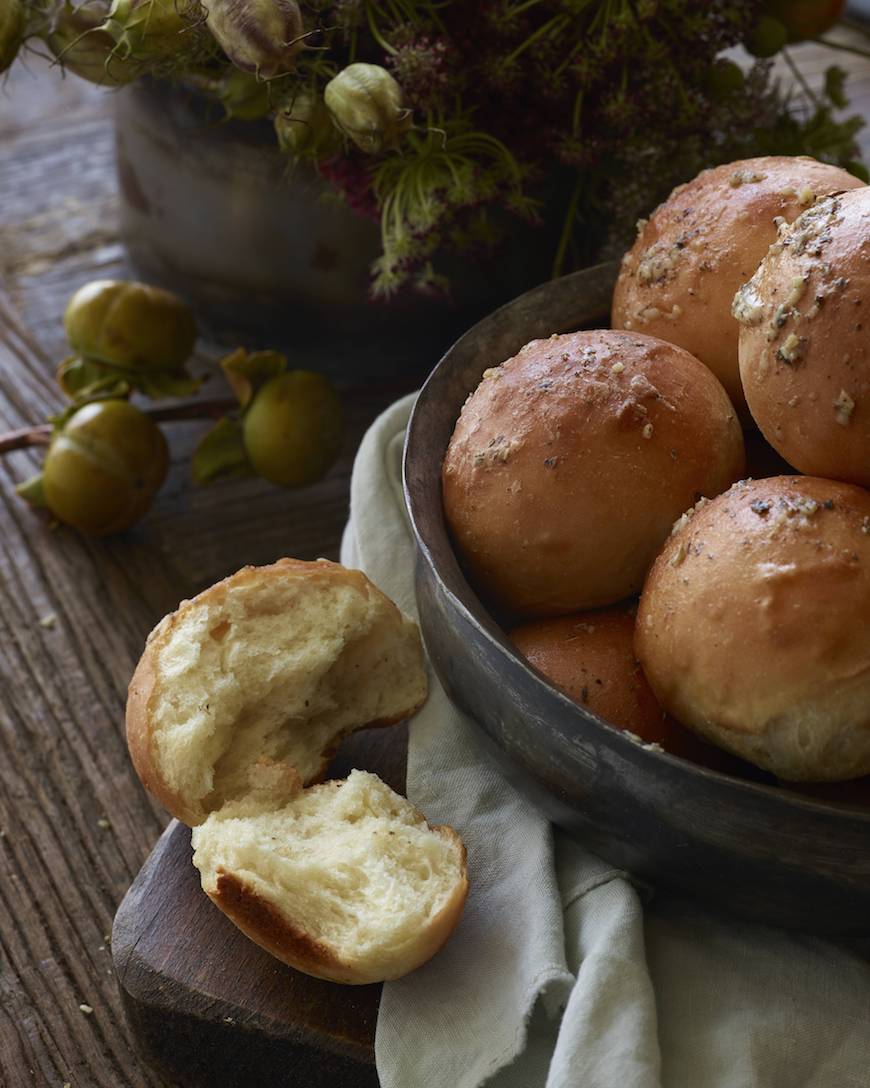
[
  {"x": 744, "y": 177},
  {"x": 680, "y": 554},
  {"x": 805, "y": 196},
  {"x": 747, "y": 307},
  {"x": 844, "y": 406},
  {"x": 684, "y": 519},
  {"x": 49, "y": 620},
  {"x": 103, "y": 823},
  {"x": 792, "y": 349},
  {"x": 798, "y": 286},
  {"x": 86, "y": 1009}
]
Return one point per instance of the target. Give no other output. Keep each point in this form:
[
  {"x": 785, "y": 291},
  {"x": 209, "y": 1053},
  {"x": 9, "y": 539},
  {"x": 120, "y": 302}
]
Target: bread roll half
[
  {"x": 345, "y": 882},
  {"x": 250, "y": 685}
]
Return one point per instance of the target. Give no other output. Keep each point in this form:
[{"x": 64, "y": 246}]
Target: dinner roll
[
  {"x": 804, "y": 349},
  {"x": 754, "y": 625},
  {"x": 590, "y": 657},
  {"x": 679, "y": 278},
  {"x": 570, "y": 461}
]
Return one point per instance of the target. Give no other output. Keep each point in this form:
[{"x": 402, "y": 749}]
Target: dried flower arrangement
[{"x": 454, "y": 122}]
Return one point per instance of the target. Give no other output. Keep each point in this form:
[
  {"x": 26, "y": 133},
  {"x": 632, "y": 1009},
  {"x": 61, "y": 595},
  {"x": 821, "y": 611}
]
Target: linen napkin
[{"x": 558, "y": 976}]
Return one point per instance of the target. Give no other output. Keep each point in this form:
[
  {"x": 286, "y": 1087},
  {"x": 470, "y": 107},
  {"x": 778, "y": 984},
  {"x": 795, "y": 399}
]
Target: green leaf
[
  {"x": 82, "y": 379},
  {"x": 165, "y": 384},
  {"x": 32, "y": 491},
  {"x": 221, "y": 454},
  {"x": 246, "y": 372}
]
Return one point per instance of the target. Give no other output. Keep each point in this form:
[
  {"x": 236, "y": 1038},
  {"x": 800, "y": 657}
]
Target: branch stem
[{"x": 40, "y": 433}]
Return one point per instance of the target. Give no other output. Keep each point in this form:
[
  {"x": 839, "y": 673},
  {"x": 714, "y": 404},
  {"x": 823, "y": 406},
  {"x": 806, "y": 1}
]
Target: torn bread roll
[
  {"x": 754, "y": 626},
  {"x": 697, "y": 248},
  {"x": 570, "y": 461},
  {"x": 239, "y": 700},
  {"x": 346, "y": 881},
  {"x": 804, "y": 349}
]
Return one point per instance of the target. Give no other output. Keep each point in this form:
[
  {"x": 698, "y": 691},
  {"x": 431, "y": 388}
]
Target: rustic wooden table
[{"x": 75, "y": 826}]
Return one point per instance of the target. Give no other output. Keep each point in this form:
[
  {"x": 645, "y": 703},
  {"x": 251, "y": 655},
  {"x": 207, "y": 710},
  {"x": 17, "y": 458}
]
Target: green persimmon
[
  {"x": 130, "y": 325},
  {"x": 104, "y": 467},
  {"x": 293, "y": 428}
]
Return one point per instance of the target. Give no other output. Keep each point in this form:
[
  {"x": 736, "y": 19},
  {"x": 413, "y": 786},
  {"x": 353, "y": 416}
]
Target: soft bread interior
[
  {"x": 363, "y": 889},
  {"x": 255, "y": 684}
]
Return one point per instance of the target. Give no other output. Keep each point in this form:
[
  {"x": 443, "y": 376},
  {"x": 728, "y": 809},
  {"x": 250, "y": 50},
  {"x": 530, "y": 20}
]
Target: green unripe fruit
[
  {"x": 724, "y": 79},
  {"x": 12, "y": 20},
  {"x": 81, "y": 45},
  {"x": 104, "y": 467},
  {"x": 767, "y": 37},
  {"x": 304, "y": 126},
  {"x": 259, "y": 36},
  {"x": 366, "y": 102},
  {"x": 293, "y": 428},
  {"x": 148, "y": 29},
  {"x": 130, "y": 325},
  {"x": 244, "y": 96}
]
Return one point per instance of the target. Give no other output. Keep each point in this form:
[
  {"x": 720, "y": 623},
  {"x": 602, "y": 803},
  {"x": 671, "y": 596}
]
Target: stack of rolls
[{"x": 595, "y": 466}]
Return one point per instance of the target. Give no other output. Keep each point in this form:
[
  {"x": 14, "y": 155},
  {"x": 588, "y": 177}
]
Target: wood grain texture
[
  {"x": 209, "y": 1005},
  {"x": 76, "y": 827}
]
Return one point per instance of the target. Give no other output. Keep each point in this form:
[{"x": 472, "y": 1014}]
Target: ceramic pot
[{"x": 266, "y": 253}]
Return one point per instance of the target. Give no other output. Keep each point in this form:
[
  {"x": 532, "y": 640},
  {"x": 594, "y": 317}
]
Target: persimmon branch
[{"x": 39, "y": 434}]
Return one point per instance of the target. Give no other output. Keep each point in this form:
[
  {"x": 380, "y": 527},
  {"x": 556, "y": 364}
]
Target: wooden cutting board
[{"x": 209, "y": 1007}]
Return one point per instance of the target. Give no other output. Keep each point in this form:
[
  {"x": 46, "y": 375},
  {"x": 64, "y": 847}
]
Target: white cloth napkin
[{"x": 558, "y": 976}]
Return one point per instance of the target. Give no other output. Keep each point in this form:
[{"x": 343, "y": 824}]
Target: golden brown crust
[
  {"x": 142, "y": 685},
  {"x": 266, "y": 925},
  {"x": 804, "y": 348},
  {"x": 570, "y": 461},
  {"x": 754, "y": 625},
  {"x": 139, "y": 737},
  {"x": 590, "y": 657},
  {"x": 260, "y": 920},
  {"x": 703, "y": 242}
]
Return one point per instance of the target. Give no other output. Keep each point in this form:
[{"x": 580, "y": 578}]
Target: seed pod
[
  {"x": 366, "y": 103},
  {"x": 104, "y": 467},
  {"x": 12, "y": 21},
  {"x": 150, "y": 29},
  {"x": 292, "y": 429},
  {"x": 304, "y": 126},
  {"x": 130, "y": 325},
  {"x": 244, "y": 96},
  {"x": 81, "y": 45},
  {"x": 259, "y": 36}
]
